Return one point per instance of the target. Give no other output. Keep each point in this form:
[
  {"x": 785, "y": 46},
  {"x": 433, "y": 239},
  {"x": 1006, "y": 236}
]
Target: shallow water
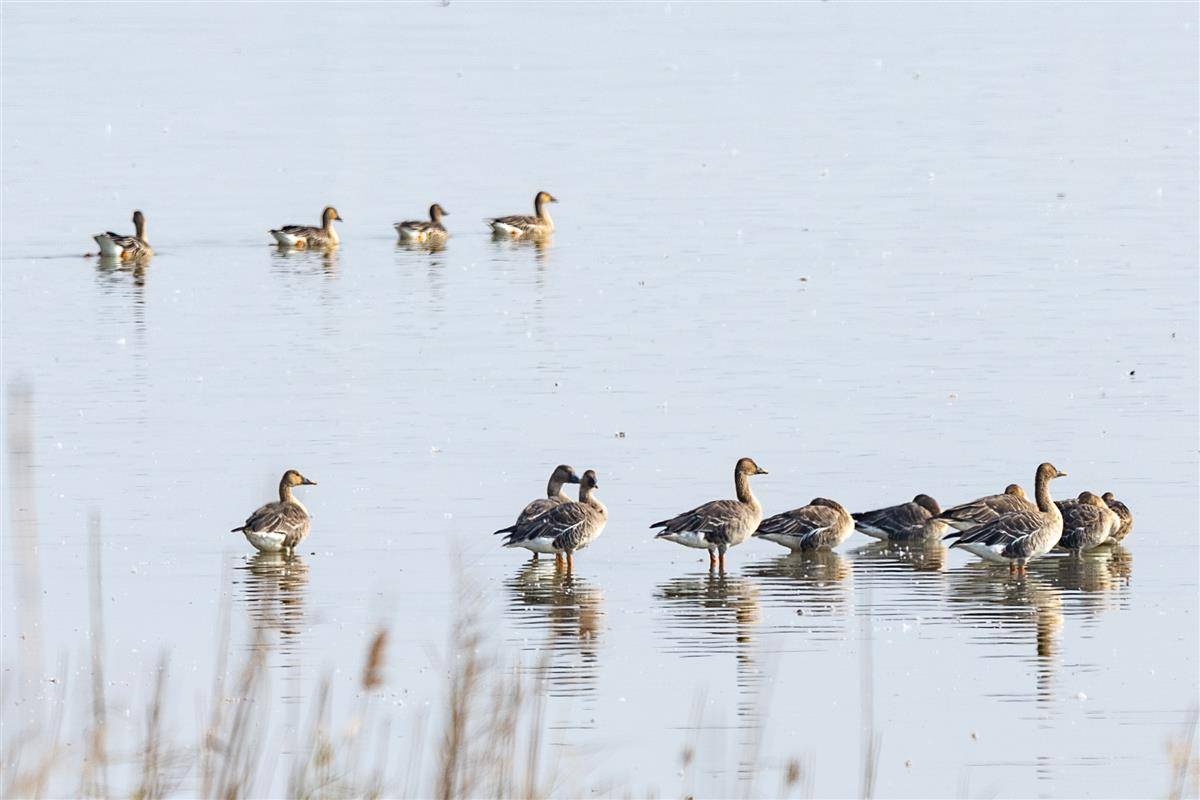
[{"x": 883, "y": 250}]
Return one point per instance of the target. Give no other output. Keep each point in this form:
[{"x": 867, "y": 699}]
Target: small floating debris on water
[
  {"x": 974, "y": 736},
  {"x": 619, "y": 435},
  {"x": 1080, "y": 696}
]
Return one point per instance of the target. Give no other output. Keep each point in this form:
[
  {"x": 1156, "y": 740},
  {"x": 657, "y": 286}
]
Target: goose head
[
  {"x": 1048, "y": 472},
  {"x": 746, "y": 466},
  {"x": 588, "y": 481},
  {"x": 565, "y": 473},
  {"x": 436, "y": 212},
  {"x": 928, "y": 503},
  {"x": 1016, "y": 491},
  {"x": 294, "y": 478},
  {"x": 329, "y": 215},
  {"x": 1091, "y": 500},
  {"x": 544, "y": 197},
  {"x": 139, "y": 223}
]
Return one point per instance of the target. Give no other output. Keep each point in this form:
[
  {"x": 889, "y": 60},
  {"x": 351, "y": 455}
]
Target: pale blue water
[{"x": 882, "y": 249}]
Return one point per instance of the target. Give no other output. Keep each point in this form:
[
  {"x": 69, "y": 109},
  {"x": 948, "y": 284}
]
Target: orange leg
[
  {"x": 712, "y": 559},
  {"x": 721, "y": 563},
  {"x": 570, "y": 562},
  {"x": 558, "y": 559}
]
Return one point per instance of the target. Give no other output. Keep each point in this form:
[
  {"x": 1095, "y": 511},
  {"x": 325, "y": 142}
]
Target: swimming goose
[
  {"x": 900, "y": 523},
  {"x": 555, "y": 496},
  {"x": 421, "y": 231},
  {"x": 279, "y": 526},
  {"x": 522, "y": 226},
  {"x": 821, "y": 525},
  {"x": 306, "y": 237},
  {"x": 126, "y": 248},
  {"x": 1123, "y": 512},
  {"x": 986, "y": 509},
  {"x": 567, "y": 527},
  {"x": 720, "y": 524},
  {"x": 1087, "y": 522},
  {"x": 1017, "y": 537}
]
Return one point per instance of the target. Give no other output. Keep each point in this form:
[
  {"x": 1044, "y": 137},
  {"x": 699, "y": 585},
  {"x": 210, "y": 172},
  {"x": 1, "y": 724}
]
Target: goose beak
[
  {"x": 761, "y": 471},
  {"x": 573, "y": 478},
  {"x": 1060, "y": 474},
  {"x": 338, "y": 217},
  {"x": 307, "y": 482}
]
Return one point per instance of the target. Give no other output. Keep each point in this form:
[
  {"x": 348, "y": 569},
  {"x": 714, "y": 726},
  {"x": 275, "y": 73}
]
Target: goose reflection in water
[
  {"x": 305, "y": 261},
  {"x": 113, "y": 272},
  {"x": 1023, "y": 612},
  {"x": 815, "y": 583},
  {"x": 564, "y": 614},
  {"x": 709, "y": 613},
  {"x": 920, "y": 555},
  {"x": 273, "y": 589}
]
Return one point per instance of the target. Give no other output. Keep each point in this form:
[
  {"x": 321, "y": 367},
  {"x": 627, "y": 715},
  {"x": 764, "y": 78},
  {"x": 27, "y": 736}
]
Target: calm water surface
[{"x": 883, "y": 249}]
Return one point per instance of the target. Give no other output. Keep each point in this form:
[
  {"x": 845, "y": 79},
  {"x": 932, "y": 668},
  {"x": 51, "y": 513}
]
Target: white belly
[
  {"x": 107, "y": 247},
  {"x": 987, "y": 552},
  {"x": 266, "y": 542},
  {"x": 542, "y": 545},
  {"x": 285, "y": 239},
  {"x": 688, "y": 539}
]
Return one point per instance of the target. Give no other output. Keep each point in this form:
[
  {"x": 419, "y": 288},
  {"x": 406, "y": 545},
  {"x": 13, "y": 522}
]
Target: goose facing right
[
  {"x": 555, "y": 496},
  {"x": 911, "y": 520},
  {"x": 1017, "y": 537},
  {"x": 523, "y": 226},
  {"x": 719, "y": 524},
  {"x": 280, "y": 526},
  {"x": 419, "y": 231},
  {"x": 126, "y": 248},
  {"x": 567, "y": 527},
  {"x": 821, "y": 525},
  {"x": 986, "y": 509},
  {"x": 307, "y": 237}
]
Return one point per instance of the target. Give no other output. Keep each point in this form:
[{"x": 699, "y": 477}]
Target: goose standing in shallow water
[
  {"x": 1017, "y": 537},
  {"x": 126, "y": 248},
  {"x": 523, "y": 226},
  {"x": 1088, "y": 522},
  {"x": 567, "y": 527},
  {"x": 424, "y": 232},
  {"x": 821, "y": 525},
  {"x": 903, "y": 522},
  {"x": 720, "y": 524},
  {"x": 1122, "y": 512},
  {"x": 306, "y": 237},
  {"x": 986, "y": 509},
  {"x": 555, "y": 496},
  {"x": 280, "y": 526}
]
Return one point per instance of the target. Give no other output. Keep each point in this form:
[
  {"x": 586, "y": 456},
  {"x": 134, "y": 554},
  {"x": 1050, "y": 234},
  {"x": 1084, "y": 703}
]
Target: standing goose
[
  {"x": 903, "y": 522},
  {"x": 821, "y": 525},
  {"x": 555, "y": 496},
  {"x": 566, "y": 527},
  {"x": 986, "y": 509},
  {"x": 523, "y": 226},
  {"x": 1123, "y": 512},
  {"x": 424, "y": 232},
  {"x": 279, "y": 526},
  {"x": 1017, "y": 537},
  {"x": 720, "y": 524},
  {"x": 126, "y": 248},
  {"x": 1088, "y": 522},
  {"x": 306, "y": 237}
]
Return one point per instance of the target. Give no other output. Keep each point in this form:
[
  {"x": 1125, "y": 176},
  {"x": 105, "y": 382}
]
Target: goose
[
  {"x": 555, "y": 496},
  {"x": 1017, "y": 537},
  {"x": 977, "y": 512},
  {"x": 821, "y": 525},
  {"x": 279, "y": 526},
  {"x": 422, "y": 231},
  {"x": 1088, "y": 522},
  {"x": 567, "y": 527},
  {"x": 720, "y": 524},
  {"x": 306, "y": 237},
  {"x": 126, "y": 248},
  {"x": 1123, "y": 512},
  {"x": 523, "y": 226},
  {"x": 906, "y": 521}
]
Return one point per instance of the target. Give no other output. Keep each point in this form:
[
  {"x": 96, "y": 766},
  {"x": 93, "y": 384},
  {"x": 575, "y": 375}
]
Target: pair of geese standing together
[
  {"x": 325, "y": 237},
  {"x": 1005, "y": 528}
]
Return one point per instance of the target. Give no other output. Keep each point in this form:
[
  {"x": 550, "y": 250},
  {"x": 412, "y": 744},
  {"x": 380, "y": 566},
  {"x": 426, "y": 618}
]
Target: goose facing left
[
  {"x": 419, "y": 231},
  {"x": 280, "y": 526},
  {"x": 126, "y": 248},
  {"x": 307, "y": 237}
]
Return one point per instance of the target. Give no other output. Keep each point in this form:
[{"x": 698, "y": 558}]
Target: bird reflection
[
  {"x": 814, "y": 582},
  {"x": 1012, "y": 610},
  {"x": 306, "y": 261},
  {"x": 564, "y": 614},
  {"x": 272, "y": 588},
  {"x": 922, "y": 555},
  {"x": 540, "y": 246}
]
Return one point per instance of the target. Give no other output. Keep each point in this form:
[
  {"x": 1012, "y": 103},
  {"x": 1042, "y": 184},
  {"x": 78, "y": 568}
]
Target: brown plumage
[
  {"x": 306, "y": 237},
  {"x": 1088, "y": 522},
  {"x": 126, "y": 248},
  {"x": 518, "y": 531},
  {"x": 523, "y": 226},
  {"x": 823, "y": 524},
  {"x": 1016, "y": 537},
  {"x": 720, "y": 524},
  {"x": 986, "y": 509},
  {"x": 282, "y": 525},
  {"x": 424, "y": 231},
  {"x": 902, "y": 522},
  {"x": 1122, "y": 512}
]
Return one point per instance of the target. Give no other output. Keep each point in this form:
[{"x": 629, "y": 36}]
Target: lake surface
[{"x": 882, "y": 249}]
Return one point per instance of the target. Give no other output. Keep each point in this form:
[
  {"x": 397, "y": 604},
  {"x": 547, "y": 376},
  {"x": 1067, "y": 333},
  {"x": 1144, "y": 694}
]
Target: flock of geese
[
  {"x": 539, "y": 225},
  {"x": 1002, "y": 528}
]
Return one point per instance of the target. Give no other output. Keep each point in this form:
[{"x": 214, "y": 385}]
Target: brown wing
[
  {"x": 813, "y": 525},
  {"x": 286, "y": 518},
  {"x": 711, "y": 519}
]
